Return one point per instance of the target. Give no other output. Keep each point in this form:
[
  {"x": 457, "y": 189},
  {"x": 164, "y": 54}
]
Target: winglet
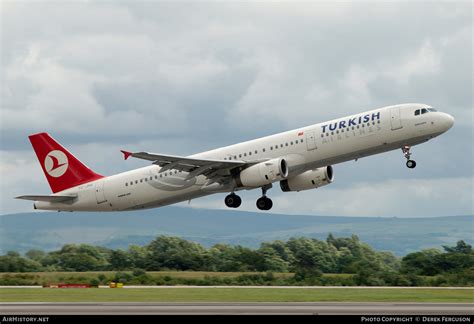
[{"x": 126, "y": 154}]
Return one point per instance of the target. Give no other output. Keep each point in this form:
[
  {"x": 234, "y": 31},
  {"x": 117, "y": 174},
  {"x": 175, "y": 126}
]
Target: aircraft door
[
  {"x": 395, "y": 118},
  {"x": 99, "y": 192},
  {"x": 310, "y": 141}
]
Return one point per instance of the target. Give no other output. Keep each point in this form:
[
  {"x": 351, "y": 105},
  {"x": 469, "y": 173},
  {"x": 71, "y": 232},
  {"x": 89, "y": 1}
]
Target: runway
[{"x": 327, "y": 308}]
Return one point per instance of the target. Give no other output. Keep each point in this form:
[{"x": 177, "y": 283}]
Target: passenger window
[
  {"x": 136, "y": 181},
  {"x": 291, "y": 143},
  {"x": 256, "y": 151},
  {"x": 250, "y": 153},
  {"x": 126, "y": 184},
  {"x": 263, "y": 150},
  {"x": 281, "y": 145},
  {"x": 141, "y": 180},
  {"x": 301, "y": 141},
  {"x": 245, "y": 154},
  {"x": 235, "y": 157},
  {"x": 240, "y": 155},
  {"x": 151, "y": 178},
  {"x": 286, "y": 144},
  {"x": 146, "y": 179}
]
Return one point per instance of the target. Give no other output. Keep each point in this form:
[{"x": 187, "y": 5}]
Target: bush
[
  {"x": 138, "y": 272},
  {"x": 123, "y": 277},
  {"x": 94, "y": 282},
  {"x": 102, "y": 279}
]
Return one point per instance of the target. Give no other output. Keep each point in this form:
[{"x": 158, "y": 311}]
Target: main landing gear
[
  {"x": 265, "y": 203},
  {"x": 232, "y": 200},
  {"x": 406, "y": 152}
]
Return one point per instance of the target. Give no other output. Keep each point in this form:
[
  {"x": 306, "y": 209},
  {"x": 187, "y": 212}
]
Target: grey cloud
[{"x": 183, "y": 78}]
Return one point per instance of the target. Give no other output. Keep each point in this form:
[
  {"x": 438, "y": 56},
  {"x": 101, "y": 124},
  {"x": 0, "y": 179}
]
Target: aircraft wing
[
  {"x": 208, "y": 167},
  {"x": 48, "y": 198}
]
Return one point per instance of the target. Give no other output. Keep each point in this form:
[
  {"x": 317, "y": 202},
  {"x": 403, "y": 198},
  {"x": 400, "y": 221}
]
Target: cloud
[
  {"x": 183, "y": 78},
  {"x": 400, "y": 198}
]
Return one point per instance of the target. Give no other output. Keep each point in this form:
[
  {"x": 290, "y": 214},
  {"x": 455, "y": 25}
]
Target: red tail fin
[{"x": 60, "y": 167}]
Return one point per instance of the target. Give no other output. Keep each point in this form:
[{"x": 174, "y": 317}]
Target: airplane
[{"x": 299, "y": 159}]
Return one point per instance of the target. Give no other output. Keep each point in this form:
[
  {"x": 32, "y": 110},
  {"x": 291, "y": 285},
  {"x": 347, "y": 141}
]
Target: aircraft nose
[{"x": 448, "y": 121}]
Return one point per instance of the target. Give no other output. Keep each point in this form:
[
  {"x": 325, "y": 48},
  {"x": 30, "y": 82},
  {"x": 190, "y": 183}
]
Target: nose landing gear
[{"x": 406, "y": 152}]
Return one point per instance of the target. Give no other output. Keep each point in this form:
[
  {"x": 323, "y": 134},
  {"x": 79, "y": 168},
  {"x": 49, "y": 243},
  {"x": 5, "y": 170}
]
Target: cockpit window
[{"x": 424, "y": 111}]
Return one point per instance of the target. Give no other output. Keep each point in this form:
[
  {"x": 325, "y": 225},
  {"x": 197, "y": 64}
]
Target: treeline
[{"x": 307, "y": 258}]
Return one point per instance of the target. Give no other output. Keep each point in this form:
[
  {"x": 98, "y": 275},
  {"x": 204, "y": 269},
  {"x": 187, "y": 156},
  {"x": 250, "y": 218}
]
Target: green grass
[
  {"x": 41, "y": 278},
  {"x": 235, "y": 295},
  {"x": 175, "y": 274},
  {"x": 56, "y": 276}
]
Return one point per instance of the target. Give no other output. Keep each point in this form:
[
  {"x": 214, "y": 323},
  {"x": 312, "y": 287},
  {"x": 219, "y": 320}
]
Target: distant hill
[{"x": 51, "y": 230}]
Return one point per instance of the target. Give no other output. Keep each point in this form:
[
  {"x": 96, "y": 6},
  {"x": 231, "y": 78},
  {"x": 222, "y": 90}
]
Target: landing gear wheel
[
  {"x": 406, "y": 152},
  {"x": 411, "y": 164},
  {"x": 264, "y": 203},
  {"x": 232, "y": 201},
  {"x": 269, "y": 204}
]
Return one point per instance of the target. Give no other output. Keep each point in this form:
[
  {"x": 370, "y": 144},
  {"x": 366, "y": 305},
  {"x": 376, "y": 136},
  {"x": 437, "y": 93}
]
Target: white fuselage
[{"x": 304, "y": 149}]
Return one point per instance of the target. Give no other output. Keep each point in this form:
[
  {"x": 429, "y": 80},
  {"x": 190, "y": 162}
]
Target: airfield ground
[{"x": 254, "y": 294}]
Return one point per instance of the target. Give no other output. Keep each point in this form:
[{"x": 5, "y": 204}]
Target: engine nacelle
[
  {"x": 263, "y": 173},
  {"x": 308, "y": 180}
]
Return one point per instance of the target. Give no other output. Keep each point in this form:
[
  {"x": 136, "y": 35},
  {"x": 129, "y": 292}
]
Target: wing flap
[
  {"x": 48, "y": 198},
  {"x": 214, "y": 170},
  {"x": 187, "y": 164}
]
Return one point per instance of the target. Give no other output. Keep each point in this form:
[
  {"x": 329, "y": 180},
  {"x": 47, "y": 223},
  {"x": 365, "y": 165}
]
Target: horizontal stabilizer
[{"x": 48, "y": 198}]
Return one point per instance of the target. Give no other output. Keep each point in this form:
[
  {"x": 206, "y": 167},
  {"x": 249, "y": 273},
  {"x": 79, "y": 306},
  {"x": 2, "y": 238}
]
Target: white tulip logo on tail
[{"x": 55, "y": 163}]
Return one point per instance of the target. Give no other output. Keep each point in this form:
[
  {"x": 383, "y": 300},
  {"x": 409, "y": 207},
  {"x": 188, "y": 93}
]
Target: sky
[{"x": 186, "y": 77}]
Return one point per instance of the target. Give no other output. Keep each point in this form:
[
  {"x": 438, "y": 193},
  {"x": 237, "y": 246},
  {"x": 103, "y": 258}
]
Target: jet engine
[
  {"x": 308, "y": 180},
  {"x": 263, "y": 173}
]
